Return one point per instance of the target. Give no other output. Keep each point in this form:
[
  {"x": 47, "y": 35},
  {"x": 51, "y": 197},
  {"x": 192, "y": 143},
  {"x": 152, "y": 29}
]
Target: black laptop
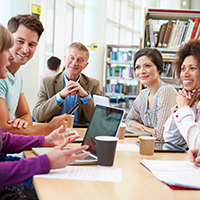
[{"x": 105, "y": 121}]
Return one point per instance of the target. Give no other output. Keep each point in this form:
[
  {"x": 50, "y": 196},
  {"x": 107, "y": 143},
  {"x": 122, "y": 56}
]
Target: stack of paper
[{"x": 177, "y": 173}]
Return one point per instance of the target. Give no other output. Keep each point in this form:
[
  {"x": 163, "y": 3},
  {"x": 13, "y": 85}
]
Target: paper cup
[
  {"x": 147, "y": 144},
  {"x": 121, "y": 132},
  {"x": 106, "y": 146},
  {"x": 70, "y": 122}
]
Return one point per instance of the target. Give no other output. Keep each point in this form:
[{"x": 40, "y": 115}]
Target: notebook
[
  {"x": 133, "y": 132},
  {"x": 105, "y": 121}
]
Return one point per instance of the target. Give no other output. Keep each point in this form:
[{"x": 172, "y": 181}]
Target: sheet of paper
[
  {"x": 105, "y": 174},
  {"x": 127, "y": 147},
  {"x": 166, "y": 165},
  {"x": 189, "y": 179},
  {"x": 178, "y": 173}
]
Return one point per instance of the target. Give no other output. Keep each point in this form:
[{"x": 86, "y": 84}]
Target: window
[{"x": 123, "y": 22}]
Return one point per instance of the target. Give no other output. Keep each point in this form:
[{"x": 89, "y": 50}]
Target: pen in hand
[
  {"x": 197, "y": 156},
  {"x": 198, "y": 153}
]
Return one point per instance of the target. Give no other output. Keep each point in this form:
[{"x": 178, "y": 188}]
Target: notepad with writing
[{"x": 182, "y": 174}]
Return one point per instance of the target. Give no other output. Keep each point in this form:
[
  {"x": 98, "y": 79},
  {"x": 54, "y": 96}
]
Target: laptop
[
  {"x": 134, "y": 132},
  {"x": 80, "y": 124},
  {"x": 105, "y": 121}
]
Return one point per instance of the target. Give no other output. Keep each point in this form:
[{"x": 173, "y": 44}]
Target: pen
[
  {"x": 197, "y": 157},
  {"x": 73, "y": 109},
  {"x": 198, "y": 153}
]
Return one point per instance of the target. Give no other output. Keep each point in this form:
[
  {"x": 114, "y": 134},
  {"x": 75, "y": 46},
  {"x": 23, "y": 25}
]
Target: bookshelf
[
  {"x": 167, "y": 30},
  {"x": 120, "y": 83}
]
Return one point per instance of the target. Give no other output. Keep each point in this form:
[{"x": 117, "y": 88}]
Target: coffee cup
[
  {"x": 70, "y": 122},
  {"x": 147, "y": 144},
  {"x": 121, "y": 132},
  {"x": 106, "y": 146}
]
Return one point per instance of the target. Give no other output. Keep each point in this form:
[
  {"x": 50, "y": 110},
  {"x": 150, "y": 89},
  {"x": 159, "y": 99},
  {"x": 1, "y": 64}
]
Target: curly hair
[
  {"x": 153, "y": 54},
  {"x": 29, "y": 21},
  {"x": 192, "y": 48}
]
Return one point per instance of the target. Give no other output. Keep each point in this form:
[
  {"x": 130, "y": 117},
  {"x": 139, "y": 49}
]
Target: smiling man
[
  {"x": 15, "y": 114},
  {"x": 59, "y": 93}
]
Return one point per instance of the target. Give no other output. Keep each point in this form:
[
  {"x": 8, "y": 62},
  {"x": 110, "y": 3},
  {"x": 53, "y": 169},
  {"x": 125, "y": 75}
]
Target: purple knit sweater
[{"x": 16, "y": 172}]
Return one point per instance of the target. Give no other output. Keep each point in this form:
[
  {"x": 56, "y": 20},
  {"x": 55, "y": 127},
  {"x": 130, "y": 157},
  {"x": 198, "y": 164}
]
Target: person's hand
[
  {"x": 191, "y": 96},
  {"x": 183, "y": 101},
  {"x": 59, "y": 158},
  {"x": 58, "y": 121},
  {"x": 91, "y": 145},
  {"x": 75, "y": 88},
  {"x": 18, "y": 123},
  {"x": 64, "y": 93},
  {"x": 58, "y": 136},
  {"x": 193, "y": 156}
]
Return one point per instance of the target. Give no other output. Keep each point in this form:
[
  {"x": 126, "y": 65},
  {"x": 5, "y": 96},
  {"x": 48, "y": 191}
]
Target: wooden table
[{"x": 137, "y": 182}]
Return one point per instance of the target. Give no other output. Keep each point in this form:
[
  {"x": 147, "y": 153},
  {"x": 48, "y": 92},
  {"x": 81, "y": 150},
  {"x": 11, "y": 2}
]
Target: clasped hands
[
  {"x": 187, "y": 98},
  {"x": 73, "y": 88}
]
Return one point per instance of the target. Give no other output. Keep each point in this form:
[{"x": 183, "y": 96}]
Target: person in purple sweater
[{"x": 13, "y": 174}]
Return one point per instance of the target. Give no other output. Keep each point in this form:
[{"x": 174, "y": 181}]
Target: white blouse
[{"x": 181, "y": 126}]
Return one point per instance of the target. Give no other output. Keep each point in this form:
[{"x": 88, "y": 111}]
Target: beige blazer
[{"x": 47, "y": 107}]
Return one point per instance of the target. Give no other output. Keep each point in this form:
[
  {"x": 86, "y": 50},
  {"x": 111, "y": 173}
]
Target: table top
[{"x": 137, "y": 181}]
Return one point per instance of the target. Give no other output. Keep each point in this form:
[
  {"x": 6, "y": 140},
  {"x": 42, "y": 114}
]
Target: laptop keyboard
[{"x": 86, "y": 158}]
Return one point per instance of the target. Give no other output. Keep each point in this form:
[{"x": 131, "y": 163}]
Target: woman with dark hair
[
  {"x": 183, "y": 126},
  {"x": 151, "y": 108}
]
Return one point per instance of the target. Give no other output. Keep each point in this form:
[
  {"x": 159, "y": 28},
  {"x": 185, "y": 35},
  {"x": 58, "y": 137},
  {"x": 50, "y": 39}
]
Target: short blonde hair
[{"x": 6, "y": 39}]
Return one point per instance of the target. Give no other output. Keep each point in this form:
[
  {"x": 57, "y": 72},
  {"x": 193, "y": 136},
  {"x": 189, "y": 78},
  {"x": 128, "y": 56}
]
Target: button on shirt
[{"x": 70, "y": 101}]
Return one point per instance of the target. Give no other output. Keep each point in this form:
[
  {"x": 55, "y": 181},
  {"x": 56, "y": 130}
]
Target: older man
[{"x": 59, "y": 93}]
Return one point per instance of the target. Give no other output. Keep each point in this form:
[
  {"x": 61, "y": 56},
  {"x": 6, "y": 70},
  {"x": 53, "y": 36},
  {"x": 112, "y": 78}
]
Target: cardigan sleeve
[
  {"x": 16, "y": 172},
  {"x": 16, "y": 143}
]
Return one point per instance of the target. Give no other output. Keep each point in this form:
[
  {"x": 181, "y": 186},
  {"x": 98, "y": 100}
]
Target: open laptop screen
[{"x": 105, "y": 121}]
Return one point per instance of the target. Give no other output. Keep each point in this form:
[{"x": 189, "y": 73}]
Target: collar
[
  {"x": 161, "y": 84},
  {"x": 66, "y": 79}
]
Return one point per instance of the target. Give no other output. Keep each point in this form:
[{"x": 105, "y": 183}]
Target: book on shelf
[
  {"x": 196, "y": 23},
  {"x": 161, "y": 34},
  {"x": 119, "y": 55},
  {"x": 189, "y": 32},
  {"x": 147, "y": 36},
  {"x": 181, "y": 35},
  {"x": 197, "y": 32},
  {"x": 121, "y": 72},
  {"x": 176, "y": 24},
  {"x": 167, "y": 33},
  {"x": 109, "y": 54},
  {"x": 130, "y": 56},
  {"x": 171, "y": 35},
  {"x": 168, "y": 70},
  {"x": 151, "y": 33},
  {"x": 121, "y": 88},
  {"x": 187, "y": 23},
  {"x": 174, "y": 33}
]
